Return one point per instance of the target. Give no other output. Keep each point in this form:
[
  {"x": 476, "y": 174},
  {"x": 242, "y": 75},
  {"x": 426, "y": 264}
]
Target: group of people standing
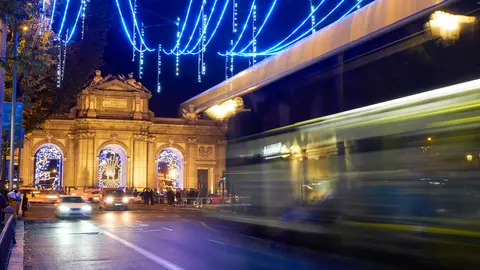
[
  {"x": 182, "y": 197},
  {"x": 15, "y": 200}
]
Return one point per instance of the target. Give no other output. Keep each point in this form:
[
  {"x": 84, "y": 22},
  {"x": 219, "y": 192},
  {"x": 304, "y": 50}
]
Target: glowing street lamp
[
  {"x": 447, "y": 26},
  {"x": 469, "y": 157}
]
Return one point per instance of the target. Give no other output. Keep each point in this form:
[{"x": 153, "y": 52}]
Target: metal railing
[{"x": 7, "y": 239}]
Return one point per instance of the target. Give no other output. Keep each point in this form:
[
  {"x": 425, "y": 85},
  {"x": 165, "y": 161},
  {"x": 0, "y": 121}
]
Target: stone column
[
  {"x": 27, "y": 162},
  {"x": 221, "y": 156},
  {"x": 140, "y": 160},
  {"x": 69, "y": 171},
  {"x": 191, "y": 180},
  {"x": 151, "y": 163},
  {"x": 81, "y": 162}
]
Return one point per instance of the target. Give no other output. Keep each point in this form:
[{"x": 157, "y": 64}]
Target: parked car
[
  {"x": 92, "y": 196},
  {"x": 72, "y": 206},
  {"x": 113, "y": 199},
  {"x": 214, "y": 199}
]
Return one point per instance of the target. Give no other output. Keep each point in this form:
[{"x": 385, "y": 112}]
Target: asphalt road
[{"x": 158, "y": 238}]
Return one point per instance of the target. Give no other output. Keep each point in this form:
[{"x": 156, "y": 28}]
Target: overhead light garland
[
  {"x": 177, "y": 58},
  {"x": 159, "y": 68},
  {"x": 134, "y": 33},
  {"x": 53, "y": 13},
  {"x": 42, "y": 17},
  {"x": 140, "y": 61},
  {"x": 84, "y": 12},
  {"x": 312, "y": 10}
]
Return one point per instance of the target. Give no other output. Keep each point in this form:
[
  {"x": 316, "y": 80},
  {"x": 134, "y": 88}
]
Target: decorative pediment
[{"x": 115, "y": 85}]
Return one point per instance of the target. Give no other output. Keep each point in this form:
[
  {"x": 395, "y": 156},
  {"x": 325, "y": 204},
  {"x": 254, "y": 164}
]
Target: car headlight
[
  {"x": 63, "y": 208},
  {"x": 86, "y": 208},
  {"x": 125, "y": 200},
  {"x": 95, "y": 199},
  {"x": 109, "y": 200},
  {"x": 52, "y": 197}
]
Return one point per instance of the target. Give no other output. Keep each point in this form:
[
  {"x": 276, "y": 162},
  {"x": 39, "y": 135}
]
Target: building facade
[{"x": 111, "y": 139}]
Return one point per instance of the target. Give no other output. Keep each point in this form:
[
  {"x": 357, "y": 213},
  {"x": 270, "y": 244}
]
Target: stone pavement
[{"x": 17, "y": 255}]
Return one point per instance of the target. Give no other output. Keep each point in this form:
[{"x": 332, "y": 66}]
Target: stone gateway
[{"x": 112, "y": 139}]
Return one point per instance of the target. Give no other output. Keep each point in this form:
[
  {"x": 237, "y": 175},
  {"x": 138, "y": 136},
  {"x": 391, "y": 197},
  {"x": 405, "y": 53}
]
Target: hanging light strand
[
  {"x": 59, "y": 63},
  {"x": 272, "y": 7},
  {"x": 64, "y": 58},
  {"x": 134, "y": 15},
  {"x": 312, "y": 11},
  {"x": 142, "y": 52},
  {"x": 134, "y": 33},
  {"x": 64, "y": 18},
  {"x": 277, "y": 48},
  {"x": 42, "y": 17},
  {"x": 254, "y": 36},
  {"x": 84, "y": 13},
  {"x": 159, "y": 68},
  {"x": 80, "y": 11},
  {"x": 213, "y": 32},
  {"x": 204, "y": 30},
  {"x": 53, "y": 13},
  {"x": 125, "y": 30},
  {"x": 177, "y": 58}
]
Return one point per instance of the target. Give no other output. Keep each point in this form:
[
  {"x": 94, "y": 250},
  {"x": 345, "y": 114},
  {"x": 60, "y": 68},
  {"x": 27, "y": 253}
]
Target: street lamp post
[{"x": 12, "y": 119}]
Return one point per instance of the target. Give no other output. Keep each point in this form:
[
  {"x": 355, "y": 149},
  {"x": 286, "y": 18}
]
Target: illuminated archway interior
[
  {"x": 112, "y": 167},
  {"x": 170, "y": 169},
  {"x": 48, "y": 167}
]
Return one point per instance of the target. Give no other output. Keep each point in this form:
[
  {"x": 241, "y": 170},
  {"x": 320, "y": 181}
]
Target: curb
[{"x": 17, "y": 255}]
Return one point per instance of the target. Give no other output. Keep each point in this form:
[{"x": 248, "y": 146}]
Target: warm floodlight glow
[{"x": 447, "y": 26}]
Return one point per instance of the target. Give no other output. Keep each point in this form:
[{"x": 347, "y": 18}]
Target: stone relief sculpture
[
  {"x": 190, "y": 115},
  {"x": 205, "y": 151}
]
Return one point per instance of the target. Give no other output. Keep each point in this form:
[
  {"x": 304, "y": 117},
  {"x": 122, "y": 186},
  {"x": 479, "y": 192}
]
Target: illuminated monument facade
[{"x": 111, "y": 139}]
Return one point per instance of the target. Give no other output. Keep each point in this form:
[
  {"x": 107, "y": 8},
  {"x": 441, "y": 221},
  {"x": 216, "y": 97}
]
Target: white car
[{"x": 72, "y": 206}]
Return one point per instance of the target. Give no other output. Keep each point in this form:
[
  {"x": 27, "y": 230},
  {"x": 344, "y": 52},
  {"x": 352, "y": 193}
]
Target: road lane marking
[
  {"x": 161, "y": 216},
  {"x": 168, "y": 229},
  {"x": 224, "y": 227},
  {"x": 184, "y": 219},
  {"x": 207, "y": 227},
  {"x": 216, "y": 242},
  {"x": 147, "y": 254}
]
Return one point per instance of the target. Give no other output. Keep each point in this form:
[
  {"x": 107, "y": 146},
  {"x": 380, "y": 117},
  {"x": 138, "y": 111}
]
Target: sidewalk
[{"x": 17, "y": 255}]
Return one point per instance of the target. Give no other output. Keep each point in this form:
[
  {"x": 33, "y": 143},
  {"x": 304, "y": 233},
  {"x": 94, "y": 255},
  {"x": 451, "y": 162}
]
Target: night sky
[{"x": 159, "y": 17}]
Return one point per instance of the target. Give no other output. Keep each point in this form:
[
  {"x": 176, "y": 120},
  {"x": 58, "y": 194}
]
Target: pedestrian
[
  {"x": 183, "y": 197},
  {"x": 150, "y": 196},
  {"x": 13, "y": 201},
  {"x": 25, "y": 204},
  {"x": 145, "y": 196},
  {"x": 178, "y": 197}
]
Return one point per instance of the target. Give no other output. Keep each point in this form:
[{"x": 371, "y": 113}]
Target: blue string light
[
  {"x": 179, "y": 36},
  {"x": 296, "y": 29},
  {"x": 272, "y": 51},
  {"x": 244, "y": 27},
  {"x": 202, "y": 37},
  {"x": 134, "y": 33},
  {"x": 191, "y": 36},
  {"x": 42, "y": 17},
  {"x": 80, "y": 11},
  {"x": 140, "y": 61},
  {"x": 137, "y": 27},
  {"x": 214, "y": 31},
  {"x": 312, "y": 10},
  {"x": 318, "y": 23},
  {"x": 53, "y": 13},
  {"x": 84, "y": 11},
  {"x": 259, "y": 30},
  {"x": 64, "y": 17},
  {"x": 159, "y": 68},
  {"x": 125, "y": 27}
]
